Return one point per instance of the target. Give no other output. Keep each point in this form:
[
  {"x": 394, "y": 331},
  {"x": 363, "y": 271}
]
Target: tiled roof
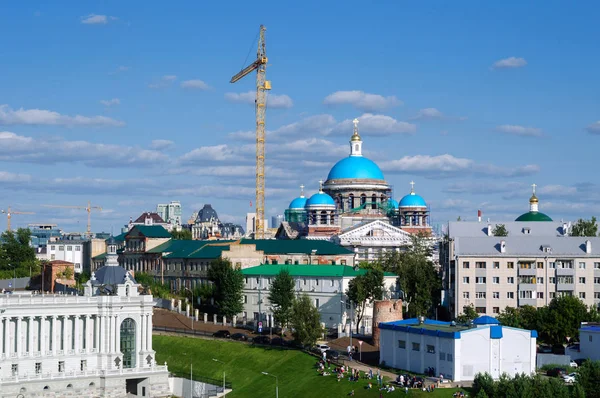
[
  {"x": 304, "y": 246},
  {"x": 151, "y": 231},
  {"x": 154, "y": 216},
  {"x": 306, "y": 270}
]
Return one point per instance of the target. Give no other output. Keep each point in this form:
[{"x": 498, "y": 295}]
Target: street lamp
[
  {"x": 276, "y": 383},
  {"x": 351, "y": 317},
  {"x": 192, "y": 303},
  {"x": 221, "y": 362},
  {"x": 191, "y": 376}
]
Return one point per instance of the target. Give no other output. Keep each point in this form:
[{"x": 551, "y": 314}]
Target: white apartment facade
[
  {"x": 493, "y": 273},
  {"x": 326, "y": 286},
  {"x": 71, "y": 250}
]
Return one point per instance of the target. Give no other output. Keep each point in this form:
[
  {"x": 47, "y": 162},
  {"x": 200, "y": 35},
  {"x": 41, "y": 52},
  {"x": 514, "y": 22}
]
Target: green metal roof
[
  {"x": 99, "y": 257},
  {"x": 306, "y": 270},
  {"x": 175, "y": 246},
  {"x": 533, "y": 216},
  {"x": 151, "y": 231},
  {"x": 304, "y": 246}
]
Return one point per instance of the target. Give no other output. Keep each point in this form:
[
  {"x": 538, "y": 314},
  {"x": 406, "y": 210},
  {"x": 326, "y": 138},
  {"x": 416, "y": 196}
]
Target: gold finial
[
  {"x": 533, "y": 198},
  {"x": 355, "y": 136},
  {"x": 412, "y": 187}
]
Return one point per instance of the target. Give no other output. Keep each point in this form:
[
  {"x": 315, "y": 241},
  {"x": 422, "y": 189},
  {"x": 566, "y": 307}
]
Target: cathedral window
[{"x": 128, "y": 343}]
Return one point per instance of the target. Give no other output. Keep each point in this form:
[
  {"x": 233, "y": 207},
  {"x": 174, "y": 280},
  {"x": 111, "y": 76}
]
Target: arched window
[
  {"x": 356, "y": 148},
  {"x": 374, "y": 202},
  {"x": 46, "y": 388},
  {"x": 324, "y": 218},
  {"x": 69, "y": 385},
  {"x": 128, "y": 343},
  {"x": 363, "y": 199},
  {"x": 350, "y": 201},
  {"x": 127, "y": 290}
]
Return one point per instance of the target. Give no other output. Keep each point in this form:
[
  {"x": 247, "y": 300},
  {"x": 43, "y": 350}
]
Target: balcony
[
  {"x": 528, "y": 286},
  {"x": 528, "y": 301},
  {"x": 527, "y": 271},
  {"x": 565, "y": 271},
  {"x": 561, "y": 287}
]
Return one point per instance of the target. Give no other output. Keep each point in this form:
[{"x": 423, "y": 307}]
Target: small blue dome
[
  {"x": 393, "y": 203},
  {"x": 412, "y": 200},
  {"x": 485, "y": 320},
  {"x": 355, "y": 167},
  {"x": 298, "y": 203},
  {"x": 320, "y": 199}
]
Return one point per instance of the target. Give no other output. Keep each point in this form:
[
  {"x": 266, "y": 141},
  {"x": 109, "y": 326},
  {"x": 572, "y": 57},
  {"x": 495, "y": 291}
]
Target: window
[
  {"x": 38, "y": 368},
  {"x": 53, "y": 257},
  {"x": 496, "y": 295},
  {"x": 416, "y": 347},
  {"x": 540, "y": 295},
  {"x": 69, "y": 248},
  {"x": 589, "y": 338},
  {"x": 552, "y": 264},
  {"x": 597, "y": 295},
  {"x": 258, "y": 281},
  {"x": 496, "y": 265},
  {"x": 525, "y": 294},
  {"x": 61, "y": 366},
  {"x": 525, "y": 265},
  {"x": 495, "y": 310},
  {"x": 552, "y": 295},
  {"x": 565, "y": 279},
  {"x": 465, "y": 264},
  {"x": 581, "y": 279},
  {"x": 540, "y": 265},
  {"x": 77, "y": 248},
  {"x": 317, "y": 303},
  {"x": 479, "y": 295},
  {"x": 510, "y": 265},
  {"x": 465, "y": 280},
  {"x": 304, "y": 282},
  {"x": 83, "y": 365},
  {"x": 480, "y": 280},
  {"x": 14, "y": 368},
  {"x": 510, "y": 280},
  {"x": 581, "y": 265},
  {"x": 128, "y": 343},
  {"x": 540, "y": 280},
  {"x": 442, "y": 356},
  {"x": 61, "y": 248},
  {"x": 465, "y": 295},
  {"x": 343, "y": 262},
  {"x": 430, "y": 349},
  {"x": 54, "y": 248},
  {"x": 332, "y": 282},
  {"x": 510, "y": 295},
  {"x": 581, "y": 295},
  {"x": 596, "y": 280},
  {"x": 596, "y": 265},
  {"x": 496, "y": 280},
  {"x": 316, "y": 281},
  {"x": 480, "y": 310},
  {"x": 449, "y": 357},
  {"x": 527, "y": 279},
  {"x": 552, "y": 279},
  {"x": 402, "y": 344},
  {"x": 269, "y": 281},
  {"x": 245, "y": 299},
  {"x": 480, "y": 264}
]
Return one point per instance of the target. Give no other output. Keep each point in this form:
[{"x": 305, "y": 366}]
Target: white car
[
  {"x": 322, "y": 347},
  {"x": 573, "y": 364},
  {"x": 570, "y": 378}
]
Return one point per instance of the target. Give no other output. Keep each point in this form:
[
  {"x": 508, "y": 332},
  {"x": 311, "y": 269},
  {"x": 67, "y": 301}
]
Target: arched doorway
[{"x": 128, "y": 343}]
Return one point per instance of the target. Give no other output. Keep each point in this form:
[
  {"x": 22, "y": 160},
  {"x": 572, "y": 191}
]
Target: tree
[
  {"x": 468, "y": 314},
  {"x": 365, "y": 289},
  {"x": 184, "y": 234},
  {"x": 229, "y": 285},
  {"x": 561, "y": 319},
  {"x": 17, "y": 257},
  {"x": 281, "y": 297},
  {"x": 500, "y": 230},
  {"x": 306, "y": 321},
  {"x": 484, "y": 382},
  {"x": 585, "y": 228},
  {"x": 589, "y": 378},
  {"x": 418, "y": 279}
]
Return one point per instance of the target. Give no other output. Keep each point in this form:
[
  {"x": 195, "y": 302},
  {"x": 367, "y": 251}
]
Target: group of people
[
  {"x": 409, "y": 382},
  {"x": 459, "y": 394}
]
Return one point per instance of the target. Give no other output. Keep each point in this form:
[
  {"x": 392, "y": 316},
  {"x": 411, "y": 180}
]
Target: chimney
[
  {"x": 565, "y": 229},
  {"x": 588, "y": 247},
  {"x": 489, "y": 230},
  {"x": 479, "y": 215},
  {"x": 502, "y": 246}
]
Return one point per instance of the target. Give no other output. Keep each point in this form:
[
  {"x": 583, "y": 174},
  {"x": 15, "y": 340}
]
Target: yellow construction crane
[
  {"x": 9, "y": 213},
  {"x": 87, "y": 208},
  {"x": 262, "y": 85}
]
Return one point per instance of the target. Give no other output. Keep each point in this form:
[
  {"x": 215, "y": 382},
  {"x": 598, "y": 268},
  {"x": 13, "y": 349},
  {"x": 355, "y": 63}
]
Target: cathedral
[{"x": 355, "y": 208}]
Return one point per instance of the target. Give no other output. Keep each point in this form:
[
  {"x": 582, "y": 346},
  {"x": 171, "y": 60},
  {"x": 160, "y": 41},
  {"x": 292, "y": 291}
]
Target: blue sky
[{"x": 128, "y": 104}]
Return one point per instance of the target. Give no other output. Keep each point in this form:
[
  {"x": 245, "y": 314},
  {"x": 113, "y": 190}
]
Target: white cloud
[
  {"x": 361, "y": 100},
  {"x": 317, "y": 124},
  {"x": 111, "y": 102},
  {"x": 273, "y": 100},
  {"x": 18, "y": 148},
  {"x": 519, "y": 130},
  {"x": 511, "y": 62},
  {"x": 161, "y": 144},
  {"x": 164, "y": 81},
  {"x": 435, "y": 114},
  {"x": 204, "y": 154},
  {"x": 7, "y": 177},
  {"x": 594, "y": 128},
  {"x": 243, "y": 135},
  {"x": 195, "y": 84},
  {"x": 10, "y": 116},
  {"x": 375, "y": 125},
  {"x": 95, "y": 19},
  {"x": 169, "y": 78}
]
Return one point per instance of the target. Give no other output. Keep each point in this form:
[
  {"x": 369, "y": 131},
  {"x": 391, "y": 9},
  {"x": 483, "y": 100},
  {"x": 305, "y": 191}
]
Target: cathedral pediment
[{"x": 377, "y": 230}]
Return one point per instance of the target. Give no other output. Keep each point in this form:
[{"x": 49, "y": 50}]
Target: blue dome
[
  {"x": 320, "y": 199},
  {"x": 298, "y": 203},
  {"x": 355, "y": 167},
  {"x": 393, "y": 203},
  {"x": 412, "y": 200},
  {"x": 486, "y": 320}
]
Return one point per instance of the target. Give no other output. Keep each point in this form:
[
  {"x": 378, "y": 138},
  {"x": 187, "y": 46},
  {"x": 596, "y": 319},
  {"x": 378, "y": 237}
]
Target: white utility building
[
  {"x": 458, "y": 352},
  {"x": 98, "y": 344}
]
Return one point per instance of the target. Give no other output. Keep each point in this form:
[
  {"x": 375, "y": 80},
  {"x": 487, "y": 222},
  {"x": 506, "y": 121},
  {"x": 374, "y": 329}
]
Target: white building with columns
[{"x": 98, "y": 344}]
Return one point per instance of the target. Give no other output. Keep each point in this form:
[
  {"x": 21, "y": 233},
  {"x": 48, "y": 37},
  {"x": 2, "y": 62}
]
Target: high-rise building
[
  {"x": 170, "y": 212},
  {"x": 276, "y": 220}
]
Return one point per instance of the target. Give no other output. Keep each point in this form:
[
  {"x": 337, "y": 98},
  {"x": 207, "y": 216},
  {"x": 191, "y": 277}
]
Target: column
[
  {"x": 19, "y": 335},
  {"x": 110, "y": 339},
  {"x": 97, "y": 333},
  {"x": 117, "y": 347},
  {"x": 54, "y": 337},
  {"x": 3, "y": 334},
  {"x": 30, "y": 326},
  {"x": 149, "y": 332},
  {"x": 42, "y": 336},
  {"x": 77, "y": 333},
  {"x": 143, "y": 332}
]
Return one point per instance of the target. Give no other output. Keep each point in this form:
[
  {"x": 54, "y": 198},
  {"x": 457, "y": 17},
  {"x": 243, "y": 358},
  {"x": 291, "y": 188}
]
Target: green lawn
[{"x": 244, "y": 364}]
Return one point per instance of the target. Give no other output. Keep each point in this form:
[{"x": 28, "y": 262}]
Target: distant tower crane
[
  {"x": 262, "y": 85},
  {"x": 87, "y": 208},
  {"x": 9, "y": 213}
]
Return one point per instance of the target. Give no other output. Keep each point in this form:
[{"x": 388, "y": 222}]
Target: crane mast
[{"x": 262, "y": 85}]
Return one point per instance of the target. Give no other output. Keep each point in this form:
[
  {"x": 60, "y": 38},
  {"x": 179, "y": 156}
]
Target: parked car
[
  {"x": 570, "y": 378},
  {"x": 556, "y": 372},
  {"x": 580, "y": 361},
  {"x": 573, "y": 364},
  {"x": 333, "y": 354},
  {"x": 239, "y": 337},
  {"x": 224, "y": 334},
  {"x": 545, "y": 349},
  {"x": 279, "y": 341},
  {"x": 322, "y": 347},
  {"x": 261, "y": 340}
]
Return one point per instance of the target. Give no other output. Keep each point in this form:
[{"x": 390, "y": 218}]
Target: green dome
[{"x": 533, "y": 216}]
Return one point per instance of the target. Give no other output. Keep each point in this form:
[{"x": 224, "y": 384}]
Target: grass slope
[{"x": 244, "y": 364}]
